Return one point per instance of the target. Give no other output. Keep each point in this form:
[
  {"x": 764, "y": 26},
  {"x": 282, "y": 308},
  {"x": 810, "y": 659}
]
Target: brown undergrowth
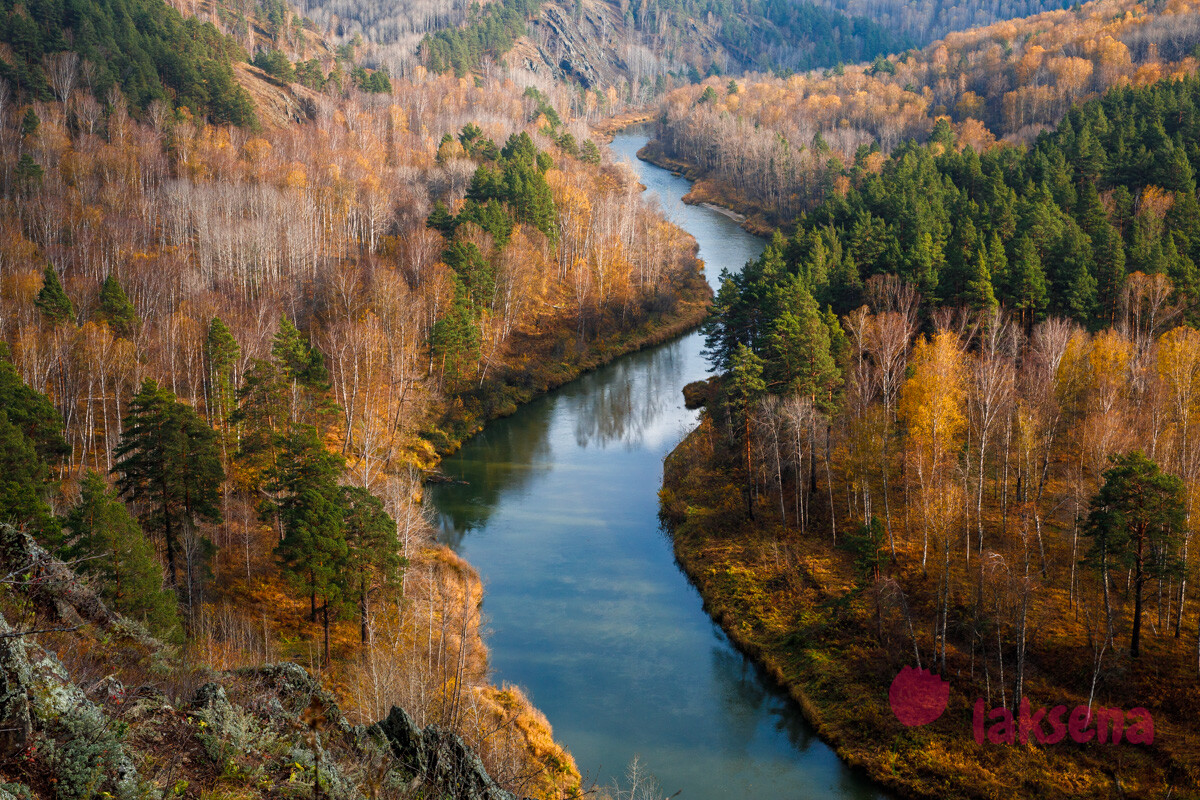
[
  {"x": 792, "y": 602},
  {"x": 424, "y": 653}
]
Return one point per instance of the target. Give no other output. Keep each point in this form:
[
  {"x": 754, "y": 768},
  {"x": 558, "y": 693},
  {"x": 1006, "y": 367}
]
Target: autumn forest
[{"x": 263, "y": 266}]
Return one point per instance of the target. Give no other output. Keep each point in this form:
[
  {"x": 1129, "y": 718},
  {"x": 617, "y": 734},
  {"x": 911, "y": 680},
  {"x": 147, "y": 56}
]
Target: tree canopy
[
  {"x": 143, "y": 47},
  {"x": 169, "y": 466},
  {"x": 1135, "y": 522}
]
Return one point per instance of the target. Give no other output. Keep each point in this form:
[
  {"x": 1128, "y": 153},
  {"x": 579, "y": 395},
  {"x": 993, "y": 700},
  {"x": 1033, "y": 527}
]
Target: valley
[{"x": 351, "y": 360}]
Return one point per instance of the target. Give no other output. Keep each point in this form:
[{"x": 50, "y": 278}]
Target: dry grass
[
  {"x": 425, "y": 655},
  {"x": 787, "y": 600}
]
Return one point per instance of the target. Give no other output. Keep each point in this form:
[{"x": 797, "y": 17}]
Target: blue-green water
[{"x": 586, "y": 607}]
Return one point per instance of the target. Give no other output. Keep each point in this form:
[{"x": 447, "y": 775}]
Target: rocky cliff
[
  {"x": 596, "y": 44},
  {"x": 179, "y": 732}
]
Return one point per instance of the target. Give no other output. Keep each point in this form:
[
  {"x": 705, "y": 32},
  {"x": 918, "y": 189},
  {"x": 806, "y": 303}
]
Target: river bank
[
  {"x": 428, "y": 654},
  {"x": 535, "y": 364},
  {"x": 706, "y": 191},
  {"x": 550, "y": 358},
  {"x": 792, "y": 602},
  {"x": 607, "y": 128},
  {"x": 557, "y": 507}
]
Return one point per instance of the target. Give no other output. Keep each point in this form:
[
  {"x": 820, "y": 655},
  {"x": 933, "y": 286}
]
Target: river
[{"x": 585, "y": 606}]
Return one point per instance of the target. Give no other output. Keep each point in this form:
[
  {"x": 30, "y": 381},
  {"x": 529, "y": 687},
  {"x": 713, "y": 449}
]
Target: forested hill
[
  {"x": 764, "y": 144},
  {"x": 925, "y": 22},
  {"x": 143, "y": 47},
  {"x": 944, "y": 404},
  {"x": 1058, "y": 228},
  {"x": 632, "y": 47},
  {"x": 231, "y": 350},
  {"x": 757, "y": 34}
]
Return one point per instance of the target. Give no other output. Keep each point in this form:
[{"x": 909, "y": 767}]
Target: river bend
[{"x": 585, "y": 606}]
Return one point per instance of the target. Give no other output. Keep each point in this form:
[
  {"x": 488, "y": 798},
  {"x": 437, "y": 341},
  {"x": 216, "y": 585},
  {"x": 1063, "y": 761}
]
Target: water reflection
[
  {"x": 628, "y": 400},
  {"x": 499, "y": 460},
  {"x": 587, "y": 607}
]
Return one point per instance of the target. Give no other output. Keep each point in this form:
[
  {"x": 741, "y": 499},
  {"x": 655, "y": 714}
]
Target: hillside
[
  {"x": 113, "y": 712},
  {"x": 767, "y": 145},
  {"x": 944, "y": 405},
  {"x": 233, "y": 348},
  {"x": 600, "y": 44},
  {"x": 604, "y": 45},
  {"x": 923, "y": 23}
]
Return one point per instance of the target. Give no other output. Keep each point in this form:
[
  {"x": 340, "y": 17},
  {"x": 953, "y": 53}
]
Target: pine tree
[
  {"x": 1135, "y": 523},
  {"x": 262, "y": 420},
  {"x": 978, "y": 293},
  {"x": 220, "y": 355},
  {"x": 108, "y": 544},
  {"x": 960, "y": 263},
  {"x": 170, "y": 466},
  {"x": 116, "y": 309},
  {"x": 302, "y": 367},
  {"x": 1072, "y": 286},
  {"x": 723, "y": 328},
  {"x": 477, "y": 275},
  {"x": 24, "y": 483},
  {"x": 441, "y": 220},
  {"x": 997, "y": 261},
  {"x": 591, "y": 153},
  {"x": 31, "y": 412},
  {"x": 27, "y": 177},
  {"x": 1177, "y": 174},
  {"x": 30, "y": 443},
  {"x": 30, "y": 123},
  {"x": 455, "y": 338},
  {"x": 1027, "y": 282},
  {"x": 1109, "y": 257},
  {"x": 1090, "y": 158},
  {"x": 313, "y": 552},
  {"x": 372, "y": 557},
  {"x": 799, "y": 360},
  {"x": 743, "y": 388},
  {"x": 52, "y": 299}
]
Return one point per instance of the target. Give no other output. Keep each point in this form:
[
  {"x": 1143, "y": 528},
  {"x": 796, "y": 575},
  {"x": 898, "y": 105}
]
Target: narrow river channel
[{"x": 585, "y": 606}]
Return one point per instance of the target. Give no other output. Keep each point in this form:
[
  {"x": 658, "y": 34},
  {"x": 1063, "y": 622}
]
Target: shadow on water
[{"x": 587, "y": 607}]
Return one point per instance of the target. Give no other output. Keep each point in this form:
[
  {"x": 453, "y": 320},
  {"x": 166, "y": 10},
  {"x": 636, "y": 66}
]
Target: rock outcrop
[
  {"x": 264, "y": 726},
  {"x": 56, "y": 591},
  {"x": 591, "y": 43},
  {"x": 443, "y": 760}
]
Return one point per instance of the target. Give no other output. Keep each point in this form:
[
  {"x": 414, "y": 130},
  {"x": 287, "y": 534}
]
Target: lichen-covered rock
[
  {"x": 333, "y": 782},
  {"x": 51, "y": 691},
  {"x": 299, "y": 694},
  {"x": 16, "y": 676},
  {"x": 272, "y": 726},
  {"x": 146, "y": 701},
  {"x": 441, "y": 759},
  {"x": 211, "y": 699},
  {"x": 57, "y": 592},
  {"x": 80, "y": 744}
]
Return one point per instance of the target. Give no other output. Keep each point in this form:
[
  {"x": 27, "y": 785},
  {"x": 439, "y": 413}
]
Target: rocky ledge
[{"x": 271, "y": 731}]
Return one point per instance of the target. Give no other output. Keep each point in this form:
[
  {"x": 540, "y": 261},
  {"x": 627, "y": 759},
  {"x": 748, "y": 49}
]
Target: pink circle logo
[{"x": 918, "y": 697}]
